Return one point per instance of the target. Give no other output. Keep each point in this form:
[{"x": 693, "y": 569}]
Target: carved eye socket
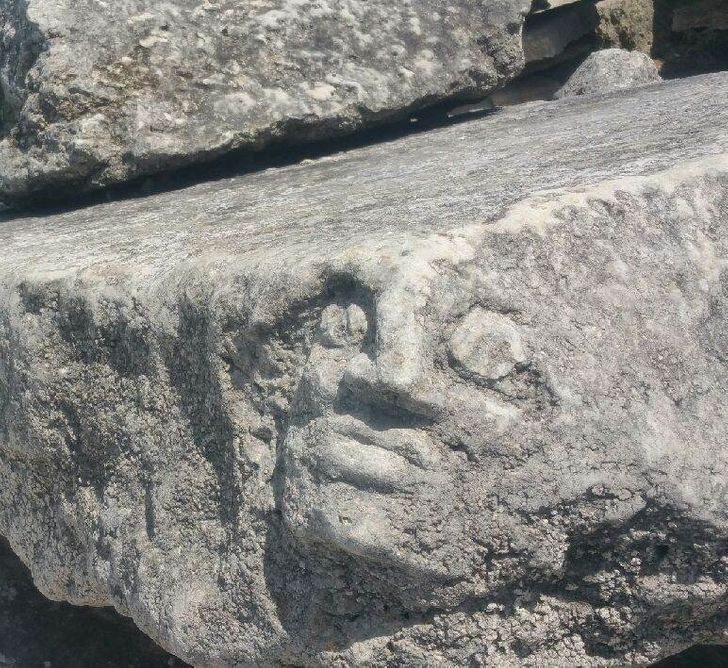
[
  {"x": 486, "y": 344},
  {"x": 341, "y": 327}
]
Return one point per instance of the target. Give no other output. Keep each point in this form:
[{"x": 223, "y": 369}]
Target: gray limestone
[
  {"x": 93, "y": 93},
  {"x": 457, "y": 399},
  {"x": 610, "y": 70}
]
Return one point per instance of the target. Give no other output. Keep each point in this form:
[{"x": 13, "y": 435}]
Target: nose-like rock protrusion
[
  {"x": 395, "y": 370},
  {"x": 342, "y": 327}
]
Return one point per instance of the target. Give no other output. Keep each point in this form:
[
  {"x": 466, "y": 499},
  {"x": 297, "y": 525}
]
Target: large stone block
[
  {"x": 458, "y": 399},
  {"x": 95, "y": 93}
]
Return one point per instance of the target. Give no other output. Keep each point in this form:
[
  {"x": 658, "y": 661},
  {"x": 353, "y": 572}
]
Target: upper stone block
[{"x": 96, "y": 93}]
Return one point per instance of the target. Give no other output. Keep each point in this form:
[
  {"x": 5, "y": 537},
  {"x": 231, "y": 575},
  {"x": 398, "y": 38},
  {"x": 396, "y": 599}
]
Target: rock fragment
[{"x": 610, "y": 70}]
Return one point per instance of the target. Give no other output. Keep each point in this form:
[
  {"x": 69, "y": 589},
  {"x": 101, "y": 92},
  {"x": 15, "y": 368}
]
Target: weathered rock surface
[
  {"x": 610, "y": 70},
  {"x": 626, "y": 24},
  {"x": 453, "y": 400},
  {"x": 96, "y": 93}
]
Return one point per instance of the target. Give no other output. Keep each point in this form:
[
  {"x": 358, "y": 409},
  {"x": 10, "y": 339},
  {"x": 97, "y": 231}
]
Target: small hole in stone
[{"x": 661, "y": 551}]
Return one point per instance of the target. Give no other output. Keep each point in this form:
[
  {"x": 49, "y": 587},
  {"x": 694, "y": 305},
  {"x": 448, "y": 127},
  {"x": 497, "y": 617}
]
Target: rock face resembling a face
[
  {"x": 390, "y": 412},
  {"x": 388, "y": 460},
  {"x": 361, "y": 471}
]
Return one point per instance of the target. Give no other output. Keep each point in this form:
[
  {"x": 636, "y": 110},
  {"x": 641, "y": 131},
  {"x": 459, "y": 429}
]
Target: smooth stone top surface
[{"x": 413, "y": 187}]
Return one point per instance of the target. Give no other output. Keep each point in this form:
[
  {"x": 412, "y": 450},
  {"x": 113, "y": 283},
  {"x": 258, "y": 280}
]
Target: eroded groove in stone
[{"x": 458, "y": 397}]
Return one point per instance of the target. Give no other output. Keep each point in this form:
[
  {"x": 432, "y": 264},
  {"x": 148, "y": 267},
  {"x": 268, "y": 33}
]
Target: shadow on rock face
[
  {"x": 706, "y": 656},
  {"x": 35, "y": 631},
  {"x": 690, "y": 37}
]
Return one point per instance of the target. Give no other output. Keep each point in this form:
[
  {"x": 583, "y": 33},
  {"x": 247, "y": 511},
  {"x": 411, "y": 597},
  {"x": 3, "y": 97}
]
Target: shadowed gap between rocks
[
  {"x": 239, "y": 162},
  {"x": 697, "y": 656},
  {"x": 35, "y": 631},
  {"x": 694, "y": 51}
]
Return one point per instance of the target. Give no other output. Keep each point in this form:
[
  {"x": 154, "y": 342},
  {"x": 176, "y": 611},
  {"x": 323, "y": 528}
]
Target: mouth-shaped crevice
[
  {"x": 381, "y": 411},
  {"x": 411, "y": 447},
  {"x": 368, "y": 483}
]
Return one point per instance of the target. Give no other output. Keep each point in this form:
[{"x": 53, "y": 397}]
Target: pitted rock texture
[
  {"x": 96, "y": 93},
  {"x": 610, "y": 70},
  {"x": 627, "y": 24},
  {"x": 453, "y": 400}
]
